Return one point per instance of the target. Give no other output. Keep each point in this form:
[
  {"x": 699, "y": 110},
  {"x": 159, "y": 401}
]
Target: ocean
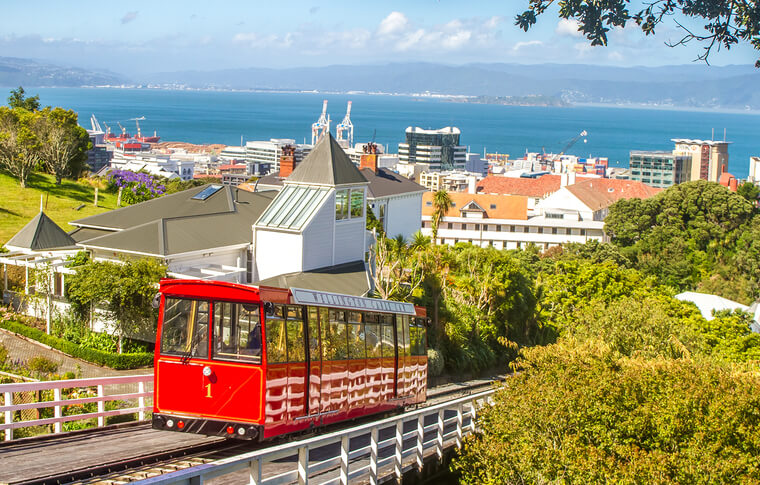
[{"x": 225, "y": 117}]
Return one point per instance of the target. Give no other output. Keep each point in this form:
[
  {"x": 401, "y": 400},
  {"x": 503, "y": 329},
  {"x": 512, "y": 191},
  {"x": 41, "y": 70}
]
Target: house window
[
  {"x": 583, "y": 232},
  {"x": 511, "y": 228},
  {"x": 540, "y": 230},
  {"x": 477, "y": 227},
  {"x": 526, "y": 229},
  {"x": 498, "y": 228},
  {"x": 449, "y": 225},
  {"x": 341, "y": 204},
  {"x": 429, "y": 203},
  {"x": 357, "y": 203},
  {"x": 568, "y": 231},
  {"x": 554, "y": 230},
  {"x": 493, "y": 206}
]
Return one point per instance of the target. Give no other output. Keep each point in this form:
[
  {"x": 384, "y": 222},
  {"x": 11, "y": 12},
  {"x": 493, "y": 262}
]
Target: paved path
[{"x": 21, "y": 349}]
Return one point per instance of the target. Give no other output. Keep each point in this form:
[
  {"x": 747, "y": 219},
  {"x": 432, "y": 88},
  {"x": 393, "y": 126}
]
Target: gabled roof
[
  {"x": 472, "y": 206},
  {"x": 39, "y": 234},
  {"x": 172, "y": 205},
  {"x": 529, "y": 187},
  {"x": 600, "y": 193},
  {"x": 165, "y": 235},
  {"x": 513, "y": 207},
  {"x": 348, "y": 279},
  {"x": 385, "y": 183},
  {"x": 327, "y": 164}
]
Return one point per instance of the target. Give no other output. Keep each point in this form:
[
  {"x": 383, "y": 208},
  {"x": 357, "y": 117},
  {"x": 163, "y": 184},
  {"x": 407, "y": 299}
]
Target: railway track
[{"x": 153, "y": 464}]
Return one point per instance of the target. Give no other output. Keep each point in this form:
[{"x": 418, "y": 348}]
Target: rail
[
  {"x": 58, "y": 402},
  {"x": 377, "y": 469}
]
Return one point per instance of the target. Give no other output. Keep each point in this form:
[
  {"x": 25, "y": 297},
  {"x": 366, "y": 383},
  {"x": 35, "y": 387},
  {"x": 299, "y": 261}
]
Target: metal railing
[
  {"x": 58, "y": 402},
  {"x": 376, "y": 470}
]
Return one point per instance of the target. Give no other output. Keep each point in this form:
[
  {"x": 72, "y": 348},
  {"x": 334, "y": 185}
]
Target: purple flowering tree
[{"x": 136, "y": 186}]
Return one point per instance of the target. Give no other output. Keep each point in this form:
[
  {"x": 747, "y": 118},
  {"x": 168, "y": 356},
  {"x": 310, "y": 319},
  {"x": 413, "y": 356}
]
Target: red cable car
[{"x": 252, "y": 362}]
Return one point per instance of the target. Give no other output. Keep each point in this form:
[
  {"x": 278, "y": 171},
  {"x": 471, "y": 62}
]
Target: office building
[
  {"x": 659, "y": 168},
  {"x": 432, "y": 150},
  {"x": 709, "y": 158}
]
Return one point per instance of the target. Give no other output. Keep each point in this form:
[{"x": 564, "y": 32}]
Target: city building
[
  {"x": 99, "y": 155},
  {"x": 161, "y": 165},
  {"x": 502, "y": 222},
  {"x": 432, "y": 150},
  {"x": 265, "y": 155},
  {"x": 534, "y": 188},
  {"x": 709, "y": 158},
  {"x": 476, "y": 164},
  {"x": 754, "y": 169},
  {"x": 659, "y": 168},
  {"x": 395, "y": 200},
  {"x": 451, "y": 181}
]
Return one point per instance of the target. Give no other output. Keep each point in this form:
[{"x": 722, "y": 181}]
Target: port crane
[
  {"x": 583, "y": 134},
  {"x": 344, "y": 132},
  {"x": 137, "y": 122},
  {"x": 322, "y": 126}
]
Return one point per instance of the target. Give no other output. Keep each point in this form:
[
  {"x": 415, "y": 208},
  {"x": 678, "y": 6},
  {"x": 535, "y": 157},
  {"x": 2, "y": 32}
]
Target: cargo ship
[{"x": 124, "y": 135}]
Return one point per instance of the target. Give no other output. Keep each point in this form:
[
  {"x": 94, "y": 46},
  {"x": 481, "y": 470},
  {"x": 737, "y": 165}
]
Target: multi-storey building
[
  {"x": 660, "y": 168},
  {"x": 754, "y": 169},
  {"x": 709, "y": 158},
  {"x": 434, "y": 150},
  {"x": 265, "y": 155}
]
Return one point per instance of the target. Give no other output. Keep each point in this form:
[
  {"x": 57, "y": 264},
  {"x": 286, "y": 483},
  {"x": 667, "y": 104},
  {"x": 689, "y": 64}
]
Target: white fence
[
  {"x": 8, "y": 409},
  {"x": 376, "y": 469}
]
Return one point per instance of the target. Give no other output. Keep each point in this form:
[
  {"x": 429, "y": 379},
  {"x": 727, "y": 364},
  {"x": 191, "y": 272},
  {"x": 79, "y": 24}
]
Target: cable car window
[
  {"x": 372, "y": 336},
  {"x": 184, "y": 330},
  {"x": 417, "y": 335},
  {"x": 314, "y": 351},
  {"x": 403, "y": 335},
  {"x": 275, "y": 336},
  {"x": 296, "y": 342},
  {"x": 389, "y": 342},
  {"x": 237, "y": 331},
  {"x": 334, "y": 343},
  {"x": 356, "y": 348}
]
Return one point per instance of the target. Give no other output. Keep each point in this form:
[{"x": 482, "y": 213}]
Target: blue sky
[{"x": 138, "y": 37}]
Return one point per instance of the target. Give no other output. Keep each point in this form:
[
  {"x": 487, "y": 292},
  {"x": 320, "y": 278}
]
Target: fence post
[
  {"x": 473, "y": 412},
  {"x": 439, "y": 436},
  {"x": 344, "y": 442},
  {"x": 8, "y": 401},
  {"x": 459, "y": 426},
  {"x": 254, "y": 472},
  {"x": 57, "y": 410},
  {"x": 397, "y": 464},
  {"x": 303, "y": 465},
  {"x": 420, "y": 441},
  {"x": 141, "y": 401},
  {"x": 373, "y": 457},
  {"x": 101, "y": 407}
]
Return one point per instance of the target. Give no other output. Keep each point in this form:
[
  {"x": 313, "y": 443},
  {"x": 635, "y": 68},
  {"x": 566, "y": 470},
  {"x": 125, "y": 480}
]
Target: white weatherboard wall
[
  {"x": 349, "y": 240},
  {"x": 403, "y": 215},
  {"x": 277, "y": 252},
  {"x": 318, "y": 237},
  {"x": 563, "y": 199}
]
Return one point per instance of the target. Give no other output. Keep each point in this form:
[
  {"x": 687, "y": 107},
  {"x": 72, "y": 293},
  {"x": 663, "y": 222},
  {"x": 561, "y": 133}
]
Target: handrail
[
  {"x": 58, "y": 402},
  {"x": 255, "y": 460}
]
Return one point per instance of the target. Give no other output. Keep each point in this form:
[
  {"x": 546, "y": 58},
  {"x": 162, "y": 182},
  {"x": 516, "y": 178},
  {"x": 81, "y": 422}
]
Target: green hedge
[{"x": 114, "y": 361}]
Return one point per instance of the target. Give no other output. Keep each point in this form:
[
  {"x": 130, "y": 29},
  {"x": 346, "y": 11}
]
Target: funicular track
[{"x": 152, "y": 464}]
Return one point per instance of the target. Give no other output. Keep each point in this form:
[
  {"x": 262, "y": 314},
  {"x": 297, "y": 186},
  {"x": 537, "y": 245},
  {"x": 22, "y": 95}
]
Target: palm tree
[
  {"x": 441, "y": 205},
  {"x": 419, "y": 241}
]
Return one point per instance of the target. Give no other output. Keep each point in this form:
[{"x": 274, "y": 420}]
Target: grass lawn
[{"x": 61, "y": 202}]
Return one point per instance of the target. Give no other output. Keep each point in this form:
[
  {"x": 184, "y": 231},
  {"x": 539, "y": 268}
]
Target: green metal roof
[
  {"x": 41, "y": 233},
  {"x": 293, "y": 207},
  {"x": 327, "y": 164},
  {"x": 347, "y": 279}
]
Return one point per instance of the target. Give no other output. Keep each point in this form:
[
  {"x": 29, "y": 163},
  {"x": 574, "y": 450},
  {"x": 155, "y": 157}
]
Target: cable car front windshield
[{"x": 184, "y": 330}]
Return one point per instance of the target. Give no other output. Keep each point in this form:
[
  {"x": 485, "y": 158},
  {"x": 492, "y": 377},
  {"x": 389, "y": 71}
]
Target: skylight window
[{"x": 207, "y": 192}]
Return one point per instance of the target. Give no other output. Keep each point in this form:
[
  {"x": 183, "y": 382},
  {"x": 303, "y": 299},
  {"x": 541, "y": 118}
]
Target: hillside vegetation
[{"x": 63, "y": 203}]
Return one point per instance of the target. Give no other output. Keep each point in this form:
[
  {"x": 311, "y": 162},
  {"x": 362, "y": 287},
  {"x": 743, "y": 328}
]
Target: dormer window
[
  {"x": 357, "y": 203},
  {"x": 349, "y": 204},
  {"x": 341, "y": 204}
]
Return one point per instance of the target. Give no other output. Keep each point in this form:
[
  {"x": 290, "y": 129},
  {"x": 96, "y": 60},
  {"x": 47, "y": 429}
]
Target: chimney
[
  {"x": 287, "y": 161},
  {"x": 471, "y": 184},
  {"x": 369, "y": 158}
]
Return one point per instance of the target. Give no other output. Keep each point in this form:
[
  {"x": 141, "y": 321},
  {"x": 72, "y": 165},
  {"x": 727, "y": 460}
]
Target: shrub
[
  {"x": 42, "y": 365},
  {"x": 435, "y": 363},
  {"x": 3, "y": 354},
  {"x": 580, "y": 412},
  {"x": 114, "y": 361}
]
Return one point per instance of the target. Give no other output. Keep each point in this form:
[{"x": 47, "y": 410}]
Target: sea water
[{"x": 226, "y": 117}]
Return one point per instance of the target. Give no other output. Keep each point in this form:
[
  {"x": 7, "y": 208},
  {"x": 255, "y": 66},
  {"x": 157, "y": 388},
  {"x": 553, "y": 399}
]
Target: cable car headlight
[
  {"x": 207, "y": 371},
  {"x": 241, "y": 431},
  {"x": 169, "y": 423}
]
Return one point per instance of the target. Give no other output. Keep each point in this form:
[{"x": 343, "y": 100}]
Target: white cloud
[
  {"x": 523, "y": 45},
  {"x": 567, "y": 28},
  {"x": 394, "y": 23}
]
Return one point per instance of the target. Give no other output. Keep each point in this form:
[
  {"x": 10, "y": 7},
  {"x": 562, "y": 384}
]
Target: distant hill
[
  {"x": 26, "y": 72},
  {"x": 691, "y": 85}
]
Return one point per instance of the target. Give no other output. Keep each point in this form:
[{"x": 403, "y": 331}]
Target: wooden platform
[{"x": 28, "y": 460}]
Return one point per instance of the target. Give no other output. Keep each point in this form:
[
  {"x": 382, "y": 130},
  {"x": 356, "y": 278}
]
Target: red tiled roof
[
  {"x": 600, "y": 193},
  {"x": 231, "y": 166},
  {"x": 504, "y": 206},
  {"x": 207, "y": 176},
  {"x": 537, "y": 187}
]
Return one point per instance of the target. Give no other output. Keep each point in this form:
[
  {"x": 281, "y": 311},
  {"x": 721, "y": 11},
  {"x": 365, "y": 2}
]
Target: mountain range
[{"x": 688, "y": 86}]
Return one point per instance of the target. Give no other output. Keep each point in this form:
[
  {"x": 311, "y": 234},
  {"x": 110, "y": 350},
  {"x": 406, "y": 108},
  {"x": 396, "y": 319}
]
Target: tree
[
  {"x": 64, "y": 143},
  {"x": 20, "y": 143},
  {"x": 727, "y": 22},
  {"x": 441, "y": 205},
  {"x": 18, "y": 99},
  {"x": 749, "y": 191}
]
